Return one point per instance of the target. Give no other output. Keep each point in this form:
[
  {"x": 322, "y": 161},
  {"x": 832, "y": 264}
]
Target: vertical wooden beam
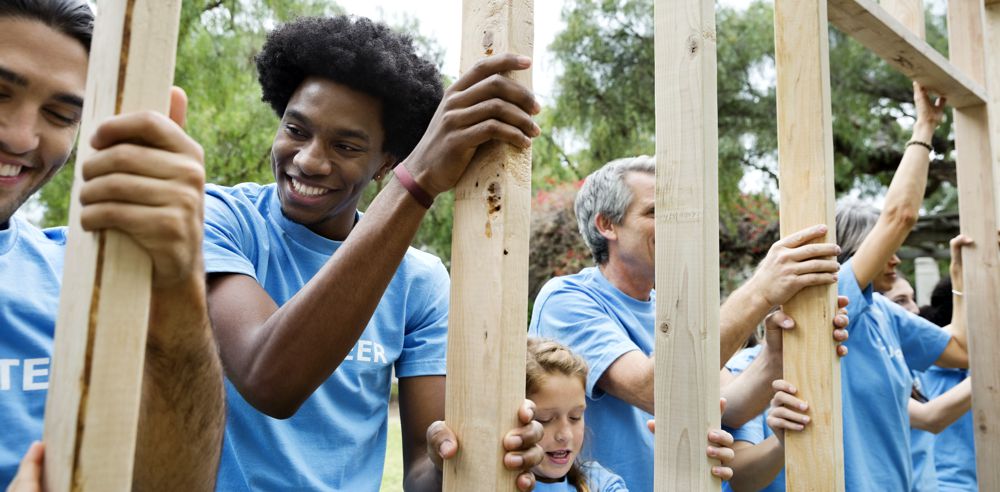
[
  {"x": 910, "y": 13},
  {"x": 687, "y": 244},
  {"x": 489, "y": 293},
  {"x": 993, "y": 89},
  {"x": 978, "y": 218},
  {"x": 92, "y": 410},
  {"x": 814, "y": 459}
]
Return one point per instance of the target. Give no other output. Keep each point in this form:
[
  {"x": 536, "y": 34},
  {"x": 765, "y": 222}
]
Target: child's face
[{"x": 559, "y": 401}]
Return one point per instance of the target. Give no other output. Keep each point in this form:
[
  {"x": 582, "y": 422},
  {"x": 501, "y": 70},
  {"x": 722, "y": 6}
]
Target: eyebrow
[
  {"x": 19, "y": 80},
  {"x": 341, "y": 132}
]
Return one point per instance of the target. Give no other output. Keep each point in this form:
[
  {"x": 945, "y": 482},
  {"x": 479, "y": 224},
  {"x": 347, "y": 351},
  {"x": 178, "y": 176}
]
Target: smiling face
[
  {"x": 328, "y": 147},
  {"x": 632, "y": 242},
  {"x": 560, "y": 401},
  {"x": 42, "y": 82}
]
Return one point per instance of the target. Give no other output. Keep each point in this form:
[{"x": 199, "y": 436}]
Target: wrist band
[
  {"x": 418, "y": 193},
  {"x": 922, "y": 144},
  {"x": 957, "y": 293}
]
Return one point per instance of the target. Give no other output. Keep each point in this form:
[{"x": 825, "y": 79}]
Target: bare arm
[
  {"x": 146, "y": 179},
  {"x": 421, "y": 403},
  {"x": 756, "y": 465},
  {"x": 956, "y": 353},
  {"x": 936, "y": 415},
  {"x": 905, "y": 194},
  {"x": 630, "y": 379},
  {"x": 277, "y": 356}
]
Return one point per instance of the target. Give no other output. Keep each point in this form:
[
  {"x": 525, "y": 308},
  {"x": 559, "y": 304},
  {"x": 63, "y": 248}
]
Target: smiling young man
[
  {"x": 315, "y": 306},
  {"x": 145, "y": 180}
]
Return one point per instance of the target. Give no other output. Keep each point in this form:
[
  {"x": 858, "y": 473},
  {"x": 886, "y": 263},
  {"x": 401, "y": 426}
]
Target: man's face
[
  {"x": 888, "y": 276},
  {"x": 636, "y": 235},
  {"x": 327, "y": 149},
  {"x": 42, "y": 82}
]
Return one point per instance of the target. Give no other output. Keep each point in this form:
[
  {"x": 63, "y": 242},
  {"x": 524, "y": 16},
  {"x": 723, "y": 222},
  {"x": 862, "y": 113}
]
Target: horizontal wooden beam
[
  {"x": 876, "y": 29},
  {"x": 992, "y": 2}
]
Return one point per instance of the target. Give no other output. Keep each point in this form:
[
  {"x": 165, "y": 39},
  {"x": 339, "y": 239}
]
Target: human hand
[
  {"x": 29, "y": 474},
  {"x": 955, "y": 269},
  {"x": 929, "y": 115},
  {"x": 520, "y": 444},
  {"x": 147, "y": 180},
  {"x": 787, "y": 412},
  {"x": 482, "y": 105},
  {"x": 778, "y": 321},
  {"x": 792, "y": 265}
]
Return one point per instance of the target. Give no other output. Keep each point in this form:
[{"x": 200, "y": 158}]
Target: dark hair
[
  {"x": 366, "y": 56},
  {"x": 940, "y": 309},
  {"x": 70, "y": 17}
]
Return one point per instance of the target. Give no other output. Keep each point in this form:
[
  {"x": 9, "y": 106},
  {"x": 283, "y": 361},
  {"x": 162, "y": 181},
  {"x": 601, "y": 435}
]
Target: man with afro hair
[{"x": 312, "y": 303}]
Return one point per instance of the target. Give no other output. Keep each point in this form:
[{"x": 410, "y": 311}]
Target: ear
[
  {"x": 605, "y": 227},
  {"x": 388, "y": 162}
]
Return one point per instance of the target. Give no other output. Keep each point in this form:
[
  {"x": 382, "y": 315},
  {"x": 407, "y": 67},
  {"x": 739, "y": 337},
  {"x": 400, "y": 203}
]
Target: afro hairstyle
[{"x": 366, "y": 56}]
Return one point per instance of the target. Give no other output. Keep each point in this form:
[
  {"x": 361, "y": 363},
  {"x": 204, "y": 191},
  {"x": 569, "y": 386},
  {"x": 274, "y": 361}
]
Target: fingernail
[
  {"x": 793, "y": 389},
  {"x": 524, "y": 61},
  {"x": 516, "y": 460},
  {"x": 787, "y": 323},
  {"x": 716, "y": 470},
  {"x": 802, "y": 406},
  {"x": 515, "y": 442},
  {"x": 805, "y": 419}
]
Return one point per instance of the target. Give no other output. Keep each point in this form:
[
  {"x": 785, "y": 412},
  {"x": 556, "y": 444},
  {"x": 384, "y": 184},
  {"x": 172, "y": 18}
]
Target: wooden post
[
  {"x": 687, "y": 244},
  {"x": 487, "y": 325},
  {"x": 910, "y": 13},
  {"x": 993, "y": 89},
  {"x": 92, "y": 410},
  {"x": 977, "y": 214},
  {"x": 814, "y": 458}
]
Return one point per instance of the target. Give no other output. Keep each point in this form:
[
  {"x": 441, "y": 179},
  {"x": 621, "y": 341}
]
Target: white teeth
[
  {"x": 8, "y": 170},
  {"x": 306, "y": 190}
]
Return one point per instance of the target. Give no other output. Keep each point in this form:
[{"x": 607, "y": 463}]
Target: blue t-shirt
[
  {"x": 886, "y": 343},
  {"x": 601, "y": 323},
  {"x": 599, "y": 479},
  {"x": 337, "y": 439},
  {"x": 922, "y": 451},
  {"x": 954, "y": 447},
  {"x": 755, "y": 431},
  {"x": 31, "y": 261}
]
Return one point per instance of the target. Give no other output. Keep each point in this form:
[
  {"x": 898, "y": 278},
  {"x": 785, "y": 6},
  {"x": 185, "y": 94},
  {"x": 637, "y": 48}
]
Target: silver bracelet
[{"x": 957, "y": 293}]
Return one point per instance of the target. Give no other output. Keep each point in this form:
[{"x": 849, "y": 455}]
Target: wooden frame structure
[
  {"x": 894, "y": 31},
  {"x": 687, "y": 244},
  {"x": 487, "y": 322},
  {"x": 92, "y": 410}
]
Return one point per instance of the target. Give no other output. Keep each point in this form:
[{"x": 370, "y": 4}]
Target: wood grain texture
[
  {"x": 992, "y": 27},
  {"x": 876, "y": 29},
  {"x": 687, "y": 244},
  {"x": 976, "y": 165},
  {"x": 909, "y": 13},
  {"x": 814, "y": 458},
  {"x": 487, "y": 324},
  {"x": 92, "y": 409}
]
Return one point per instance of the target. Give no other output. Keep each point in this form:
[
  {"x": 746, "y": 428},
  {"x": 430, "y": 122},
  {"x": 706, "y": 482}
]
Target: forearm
[
  {"x": 756, "y": 466},
  {"x": 937, "y": 414},
  {"x": 422, "y": 477},
  {"x": 183, "y": 402},
  {"x": 738, "y": 318},
  {"x": 750, "y": 392},
  {"x": 958, "y": 328},
  {"x": 630, "y": 379},
  {"x": 305, "y": 340}
]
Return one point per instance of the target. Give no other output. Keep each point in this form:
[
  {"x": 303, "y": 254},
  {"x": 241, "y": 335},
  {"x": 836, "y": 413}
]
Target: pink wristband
[{"x": 418, "y": 193}]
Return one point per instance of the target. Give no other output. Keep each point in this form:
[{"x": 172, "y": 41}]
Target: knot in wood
[
  {"x": 665, "y": 327},
  {"x": 693, "y": 44}
]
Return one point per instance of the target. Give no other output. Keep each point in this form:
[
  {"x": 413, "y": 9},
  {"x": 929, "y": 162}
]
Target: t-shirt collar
[
  {"x": 300, "y": 233},
  {"x": 8, "y": 236}
]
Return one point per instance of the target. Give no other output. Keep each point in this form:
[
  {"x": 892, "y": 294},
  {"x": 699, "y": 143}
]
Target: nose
[
  {"x": 311, "y": 159},
  {"x": 563, "y": 433},
  {"x": 894, "y": 261},
  {"x": 19, "y": 130}
]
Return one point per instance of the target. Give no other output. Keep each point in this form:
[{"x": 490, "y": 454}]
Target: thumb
[{"x": 178, "y": 106}]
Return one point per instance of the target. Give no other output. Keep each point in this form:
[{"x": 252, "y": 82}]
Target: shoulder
[
  {"x": 600, "y": 479},
  {"x": 582, "y": 283},
  {"x": 421, "y": 267}
]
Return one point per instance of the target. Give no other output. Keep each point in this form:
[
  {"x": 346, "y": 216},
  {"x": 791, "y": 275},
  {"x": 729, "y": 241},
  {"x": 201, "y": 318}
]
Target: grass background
[{"x": 392, "y": 476}]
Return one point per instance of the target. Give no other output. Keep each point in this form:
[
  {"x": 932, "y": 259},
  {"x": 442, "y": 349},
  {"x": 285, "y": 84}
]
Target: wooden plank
[
  {"x": 993, "y": 87},
  {"x": 687, "y": 244},
  {"x": 978, "y": 217},
  {"x": 92, "y": 410},
  {"x": 489, "y": 293},
  {"x": 876, "y": 29},
  {"x": 909, "y": 13},
  {"x": 814, "y": 458},
  {"x": 990, "y": 3}
]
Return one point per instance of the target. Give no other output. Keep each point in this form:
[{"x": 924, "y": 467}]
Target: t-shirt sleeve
[
  {"x": 426, "y": 337},
  {"x": 859, "y": 300},
  {"x": 575, "y": 319},
  {"x": 921, "y": 341},
  {"x": 228, "y": 244},
  {"x": 752, "y": 431},
  {"x": 600, "y": 479}
]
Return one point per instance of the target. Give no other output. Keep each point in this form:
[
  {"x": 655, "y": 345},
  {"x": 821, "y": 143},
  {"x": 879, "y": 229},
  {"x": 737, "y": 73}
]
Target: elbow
[
  {"x": 902, "y": 217},
  {"x": 269, "y": 396}
]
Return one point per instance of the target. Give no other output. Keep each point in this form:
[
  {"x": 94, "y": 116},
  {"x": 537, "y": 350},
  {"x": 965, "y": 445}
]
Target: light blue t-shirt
[
  {"x": 593, "y": 318},
  {"x": 755, "y": 431},
  {"x": 954, "y": 447},
  {"x": 599, "y": 479},
  {"x": 886, "y": 343},
  {"x": 922, "y": 451},
  {"x": 337, "y": 439},
  {"x": 31, "y": 261}
]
